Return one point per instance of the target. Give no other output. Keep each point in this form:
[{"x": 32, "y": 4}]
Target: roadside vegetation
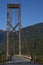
[{"x": 2, "y": 57}]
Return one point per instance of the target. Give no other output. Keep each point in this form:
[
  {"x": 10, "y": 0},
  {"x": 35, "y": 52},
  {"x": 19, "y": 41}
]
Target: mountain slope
[
  {"x": 32, "y": 42},
  {"x": 32, "y": 34},
  {"x": 34, "y": 31}
]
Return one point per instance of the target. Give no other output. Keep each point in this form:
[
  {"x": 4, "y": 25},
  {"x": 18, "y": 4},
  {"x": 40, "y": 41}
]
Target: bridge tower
[{"x": 9, "y": 25}]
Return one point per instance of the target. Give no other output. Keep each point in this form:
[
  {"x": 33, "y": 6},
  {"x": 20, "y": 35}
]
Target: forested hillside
[{"x": 32, "y": 41}]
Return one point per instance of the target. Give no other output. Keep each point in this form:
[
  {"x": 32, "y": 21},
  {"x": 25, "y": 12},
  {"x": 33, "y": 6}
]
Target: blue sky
[{"x": 31, "y": 12}]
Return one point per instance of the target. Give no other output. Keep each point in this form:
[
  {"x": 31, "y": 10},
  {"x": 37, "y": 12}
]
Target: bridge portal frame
[{"x": 13, "y": 6}]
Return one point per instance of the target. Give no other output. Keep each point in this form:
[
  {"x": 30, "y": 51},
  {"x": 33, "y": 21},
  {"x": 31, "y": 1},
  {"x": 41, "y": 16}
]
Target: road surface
[{"x": 22, "y": 63}]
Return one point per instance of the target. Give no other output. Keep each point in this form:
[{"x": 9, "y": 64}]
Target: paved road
[
  {"x": 22, "y": 63},
  {"x": 18, "y": 60}
]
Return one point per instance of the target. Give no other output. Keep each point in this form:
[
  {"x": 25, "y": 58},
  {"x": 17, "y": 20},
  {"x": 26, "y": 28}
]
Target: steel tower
[{"x": 9, "y": 25}]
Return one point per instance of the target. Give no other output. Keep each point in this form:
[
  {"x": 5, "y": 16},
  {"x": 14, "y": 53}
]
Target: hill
[
  {"x": 32, "y": 40},
  {"x": 34, "y": 31},
  {"x": 28, "y": 33}
]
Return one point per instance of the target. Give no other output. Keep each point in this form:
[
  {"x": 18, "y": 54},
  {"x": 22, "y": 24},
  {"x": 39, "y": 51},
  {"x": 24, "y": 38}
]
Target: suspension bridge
[
  {"x": 14, "y": 27},
  {"x": 11, "y": 28}
]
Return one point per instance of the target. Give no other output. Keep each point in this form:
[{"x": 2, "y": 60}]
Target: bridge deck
[{"x": 20, "y": 60}]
